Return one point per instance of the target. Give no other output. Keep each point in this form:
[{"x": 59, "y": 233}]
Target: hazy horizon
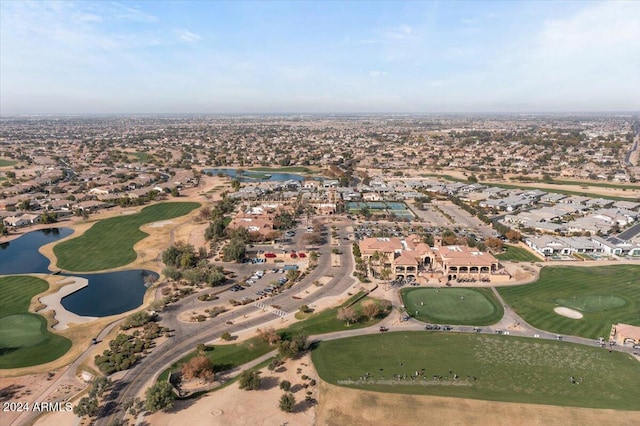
[{"x": 288, "y": 58}]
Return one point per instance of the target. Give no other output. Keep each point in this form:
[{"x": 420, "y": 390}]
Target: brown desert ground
[{"x": 343, "y": 406}]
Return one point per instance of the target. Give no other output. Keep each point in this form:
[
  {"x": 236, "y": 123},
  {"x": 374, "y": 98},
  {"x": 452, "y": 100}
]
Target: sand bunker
[
  {"x": 54, "y": 302},
  {"x": 567, "y": 312}
]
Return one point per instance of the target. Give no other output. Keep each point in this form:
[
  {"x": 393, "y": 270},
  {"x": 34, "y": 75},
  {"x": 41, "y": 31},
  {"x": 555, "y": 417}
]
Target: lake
[
  {"x": 108, "y": 293},
  {"x": 252, "y": 176}
]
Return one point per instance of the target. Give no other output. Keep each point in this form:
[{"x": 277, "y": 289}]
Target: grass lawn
[
  {"x": 605, "y": 295},
  {"x": 327, "y": 321},
  {"x": 462, "y": 306},
  {"x": 226, "y": 357},
  {"x": 517, "y": 253},
  {"x": 507, "y": 369},
  {"x": 109, "y": 243},
  {"x": 7, "y": 163},
  {"x": 24, "y": 337}
]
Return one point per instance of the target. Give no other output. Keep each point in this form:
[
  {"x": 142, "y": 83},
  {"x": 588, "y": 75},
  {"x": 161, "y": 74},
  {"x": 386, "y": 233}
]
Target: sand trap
[
  {"x": 567, "y": 312},
  {"x": 53, "y": 302},
  {"x": 126, "y": 212},
  {"x": 160, "y": 224}
]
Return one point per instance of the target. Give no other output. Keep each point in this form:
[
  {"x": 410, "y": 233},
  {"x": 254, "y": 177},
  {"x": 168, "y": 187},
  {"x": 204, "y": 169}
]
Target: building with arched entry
[{"x": 407, "y": 258}]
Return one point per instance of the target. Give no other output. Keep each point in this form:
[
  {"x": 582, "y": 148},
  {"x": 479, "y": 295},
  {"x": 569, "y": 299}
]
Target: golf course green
[
  {"x": 24, "y": 337},
  {"x": 460, "y": 306},
  {"x": 604, "y": 295},
  {"x": 109, "y": 243},
  {"x": 488, "y": 367}
]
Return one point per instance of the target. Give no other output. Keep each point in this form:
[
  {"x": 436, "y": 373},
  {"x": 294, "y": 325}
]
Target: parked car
[
  {"x": 302, "y": 255},
  {"x": 269, "y": 255},
  {"x": 383, "y": 328}
]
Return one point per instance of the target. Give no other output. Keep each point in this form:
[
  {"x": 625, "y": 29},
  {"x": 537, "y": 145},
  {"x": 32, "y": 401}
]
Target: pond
[
  {"x": 108, "y": 293},
  {"x": 252, "y": 176},
  {"x": 21, "y": 256}
]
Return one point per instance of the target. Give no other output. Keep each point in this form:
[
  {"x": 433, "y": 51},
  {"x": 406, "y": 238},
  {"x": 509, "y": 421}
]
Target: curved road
[{"x": 188, "y": 335}]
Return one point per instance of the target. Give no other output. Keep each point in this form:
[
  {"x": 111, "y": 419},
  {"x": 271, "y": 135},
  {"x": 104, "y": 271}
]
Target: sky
[{"x": 93, "y": 57}]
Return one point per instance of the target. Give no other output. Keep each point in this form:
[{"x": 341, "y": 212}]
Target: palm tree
[
  {"x": 375, "y": 256},
  {"x": 385, "y": 274}
]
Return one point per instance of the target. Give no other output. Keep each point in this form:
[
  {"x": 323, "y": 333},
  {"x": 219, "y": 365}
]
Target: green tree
[
  {"x": 250, "y": 380},
  {"x": 159, "y": 397},
  {"x": 87, "y": 406},
  {"x": 287, "y": 402},
  {"x": 285, "y": 385},
  {"x": 234, "y": 250},
  {"x": 216, "y": 229},
  {"x": 292, "y": 347}
]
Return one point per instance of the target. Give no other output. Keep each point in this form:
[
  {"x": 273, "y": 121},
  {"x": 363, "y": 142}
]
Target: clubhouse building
[{"x": 413, "y": 259}]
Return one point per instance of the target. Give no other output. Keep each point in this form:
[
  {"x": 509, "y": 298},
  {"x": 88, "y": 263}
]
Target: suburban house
[{"x": 548, "y": 245}]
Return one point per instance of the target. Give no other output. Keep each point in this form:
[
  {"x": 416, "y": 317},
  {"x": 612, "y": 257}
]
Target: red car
[
  {"x": 270, "y": 255},
  {"x": 293, "y": 255},
  {"x": 302, "y": 255}
]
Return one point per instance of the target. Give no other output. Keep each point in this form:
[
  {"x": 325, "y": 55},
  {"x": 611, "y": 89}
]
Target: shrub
[
  {"x": 250, "y": 380},
  {"x": 287, "y": 402},
  {"x": 285, "y": 385}
]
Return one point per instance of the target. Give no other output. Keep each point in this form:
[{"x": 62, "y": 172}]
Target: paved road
[
  {"x": 188, "y": 335},
  {"x": 27, "y": 417}
]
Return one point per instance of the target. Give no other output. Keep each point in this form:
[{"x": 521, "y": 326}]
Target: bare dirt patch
[
  {"x": 567, "y": 312},
  {"x": 25, "y": 388},
  {"x": 234, "y": 406},
  {"x": 342, "y": 406}
]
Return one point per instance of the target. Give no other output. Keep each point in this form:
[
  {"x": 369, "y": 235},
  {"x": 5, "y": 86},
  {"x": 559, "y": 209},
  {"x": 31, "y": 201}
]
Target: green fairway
[
  {"x": 109, "y": 243},
  {"x": 505, "y": 368},
  {"x": 605, "y": 295},
  {"x": 7, "y": 163},
  {"x": 517, "y": 253},
  {"x": 24, "y": 338},
  {"x": 464, "y": 306},
  {"x": 592, "y": 303}
]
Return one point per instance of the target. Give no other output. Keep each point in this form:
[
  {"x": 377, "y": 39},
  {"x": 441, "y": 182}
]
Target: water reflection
[{"x": 108, "y": 293}]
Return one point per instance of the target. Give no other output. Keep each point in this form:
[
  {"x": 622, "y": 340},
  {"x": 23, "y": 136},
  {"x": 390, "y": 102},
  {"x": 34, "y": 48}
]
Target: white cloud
[
  {"x": 132, "y": 14},
  {"x": 401, "y": 32},
  {"x": 377, "y": 73},
  {"x": 187, "y": 36},
  {"x": 587, "y": 61},
  {"x": 88, "y": 18}
]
